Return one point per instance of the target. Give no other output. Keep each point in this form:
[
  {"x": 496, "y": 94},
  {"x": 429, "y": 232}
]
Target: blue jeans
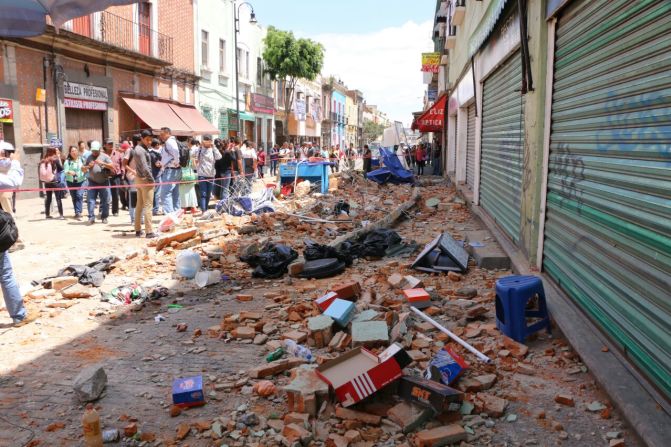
[
  {"x": 273, "y": 167},
  {"x": 225, "y": 184},
  {"x": 206, "y": 186},
  {"x": 170, "y": 193},
  {"x": 103, "y": 194},
  {"x": 77, "y": 197},
  {"x": 10, "y": 289}
]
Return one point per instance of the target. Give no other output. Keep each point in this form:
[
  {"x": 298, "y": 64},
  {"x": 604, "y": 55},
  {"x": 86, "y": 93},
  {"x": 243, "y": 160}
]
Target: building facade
[
  {"x": 557, "y": 133},
  {"x": 338, "y": 111},
  {"x": 106, "y": 75},
  {"x": 305, "y": 118}
]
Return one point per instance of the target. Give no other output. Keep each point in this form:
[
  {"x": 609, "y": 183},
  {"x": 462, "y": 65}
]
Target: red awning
[
  {"x": 192, "y": 117},
  {"x": 433, "y": 119},
  {"x": 157, "y": 114}
]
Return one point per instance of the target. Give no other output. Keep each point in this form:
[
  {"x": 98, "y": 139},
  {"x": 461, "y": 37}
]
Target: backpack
[
  {"x": 47, "y": 173},
  {"x": 9, "y": 233},
  {"x": 184, "y": 154}
]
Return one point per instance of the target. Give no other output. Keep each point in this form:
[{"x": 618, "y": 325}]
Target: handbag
[{"x": 188, "y": 174}]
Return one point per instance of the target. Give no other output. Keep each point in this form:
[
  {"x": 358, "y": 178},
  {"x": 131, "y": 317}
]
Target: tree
[
  {"x": 372, "y": 130},
  {"x": 290, "y": 59}
]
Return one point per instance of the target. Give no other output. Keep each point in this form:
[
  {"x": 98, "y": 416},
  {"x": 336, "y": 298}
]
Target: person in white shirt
[
  {"x": 249, "y": 161},
  {"x": 171, "y": 172},
  {"x": 205, "y": 156}
]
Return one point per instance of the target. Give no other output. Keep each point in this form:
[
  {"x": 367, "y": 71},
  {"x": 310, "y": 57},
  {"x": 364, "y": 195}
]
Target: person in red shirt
[
  {"x": 420, "y": 156},
  {"x": 117, "y": 180},
  {"x": 261, "y": 161}
]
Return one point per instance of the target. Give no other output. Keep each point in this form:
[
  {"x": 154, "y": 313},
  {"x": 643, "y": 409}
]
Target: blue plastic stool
[{"x": 513, "y": 293}]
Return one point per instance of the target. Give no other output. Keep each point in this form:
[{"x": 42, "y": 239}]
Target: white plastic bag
[{"x": 171, "y": 220}]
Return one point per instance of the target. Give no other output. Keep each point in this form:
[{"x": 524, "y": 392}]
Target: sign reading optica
[
  {"x": 87, "y": 97},
  {"x": 6, "y": 111},
  {"x": 430, "y": 62}
]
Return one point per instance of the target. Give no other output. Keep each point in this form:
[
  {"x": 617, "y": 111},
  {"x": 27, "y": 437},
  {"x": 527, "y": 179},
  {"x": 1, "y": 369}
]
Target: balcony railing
[{"x": 125, "y": 34}]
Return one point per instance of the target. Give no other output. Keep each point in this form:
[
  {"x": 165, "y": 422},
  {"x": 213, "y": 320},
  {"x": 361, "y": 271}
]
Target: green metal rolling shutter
[
  {"x": 608, "y": 229},
  {"x": 502, "y": 146},
  {"x": 470, "y": 147}
]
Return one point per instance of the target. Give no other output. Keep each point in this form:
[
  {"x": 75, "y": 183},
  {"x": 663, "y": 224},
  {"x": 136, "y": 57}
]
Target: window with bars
[{"x": 207, "y": 113}]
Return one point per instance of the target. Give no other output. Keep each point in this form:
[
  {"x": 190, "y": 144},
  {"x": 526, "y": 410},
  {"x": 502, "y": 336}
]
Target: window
[
  {"x": 246, "y": 65},
  {"x": 204, "y": 48},
  {"x": 243, "y": 63},
  {"x": 307, "y": 105},
  {"x": 259, "y": 71},
  {"x": 222, "y": 55},
  {"x": 238, "y": 52}
]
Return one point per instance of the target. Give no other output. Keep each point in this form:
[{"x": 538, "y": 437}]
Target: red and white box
[
  {"x": 323, "y": 302},
  {"x": 359, "y": 373}
]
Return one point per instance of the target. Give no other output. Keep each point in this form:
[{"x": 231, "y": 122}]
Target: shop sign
[
  {"x": 300, "y": 109},
  {"x": 262, "y": 104},
  {"x": 6, "y": 111},
  {"x": 430, "y": 62},
  {"x": 432, "y": 94},
  {"x": 87, "y": 97},
  {"x": 40, "y": 95}
]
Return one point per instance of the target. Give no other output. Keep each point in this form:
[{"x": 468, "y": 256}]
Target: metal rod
[{"x": 453, "y": 336}]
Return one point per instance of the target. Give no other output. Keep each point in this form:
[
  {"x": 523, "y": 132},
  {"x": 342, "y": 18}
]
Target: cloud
[{"x": 384, "y": 65}]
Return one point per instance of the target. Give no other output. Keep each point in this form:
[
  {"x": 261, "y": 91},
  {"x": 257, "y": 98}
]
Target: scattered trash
[
  {"x": 342, "y": 207},
  {"x": 443, "y": 254},
  {"x": 392, "y": 172},
  {"x": 271, "y": 261},
  {"x": 188, "y": 392},
  {"x": 111, "y": 435},
  {"x": 429, "y": 393},
  {"x": 187, "y": 264},
  {"x": 447, "y": 366},
  {"x": 207, "y": 278},
  {"x": 92, "y": 274},
  {"x": 91, "y": 427},
  {"x": 265, "y": 388},
  {"x": 295, "y": 350},
  {"x": 170, "y": 221},
  {"x": 341, "y": 311},
  {"x": 453, "y": 336},
  {"x": 360, "y": 373},
  {"x": 126, "y": 295},
  {"x": 322, "y": 268},
  {"x": 158, "y": 318},
  {"x": 314, "y": 251},
  {"x": 275, "y": 355}
]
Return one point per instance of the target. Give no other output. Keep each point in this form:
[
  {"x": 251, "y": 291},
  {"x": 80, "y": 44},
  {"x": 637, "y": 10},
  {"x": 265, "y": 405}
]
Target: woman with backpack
[
  {"x": 50, "y": 170},
  {"x": 74, "y": 178}
]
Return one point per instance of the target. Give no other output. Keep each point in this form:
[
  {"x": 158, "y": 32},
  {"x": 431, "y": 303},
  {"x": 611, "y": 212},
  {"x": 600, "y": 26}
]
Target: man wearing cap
[
  {"x": 100, "y": 168},
  {"x": 116, "y": 181},
  {"x": 205, "y": 157},
  {"x": 138, "y": 166}
]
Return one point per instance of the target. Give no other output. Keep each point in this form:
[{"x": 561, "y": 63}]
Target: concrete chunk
[
  {"x": 490, "y": 256},
  {"x": 370, "y": 333},
  {"x": 90, "y": 383}
]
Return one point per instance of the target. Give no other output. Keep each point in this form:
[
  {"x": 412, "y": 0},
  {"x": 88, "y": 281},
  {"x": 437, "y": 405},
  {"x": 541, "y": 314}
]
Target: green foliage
[
  {"x": 372, "y": 130},
  {"x": 288, "y": 57}
]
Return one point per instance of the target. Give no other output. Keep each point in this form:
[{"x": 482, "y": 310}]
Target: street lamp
[{"x": 253, "y": 21}]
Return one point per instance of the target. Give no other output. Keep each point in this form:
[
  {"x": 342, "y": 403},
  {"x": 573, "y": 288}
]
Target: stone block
[
  {"x": 370, "y": 333},
  {"x": 90, "y": 383},
  {"x": 366, "y": 418},
  {"x": 297, "y": 336},
  {"x": 320, "y": 330},
  {"x": 490, "y": 256},
  {"x": 410, "y": 416},
  {"x": 440, "y": 436}
]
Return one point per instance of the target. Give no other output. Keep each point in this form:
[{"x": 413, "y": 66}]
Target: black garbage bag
[
  {"x": 314, "y": 251},
  {"x": 92, "y": 274},
  {"x": 271, "y": 261},
  {"x": 376, "y": 242}
]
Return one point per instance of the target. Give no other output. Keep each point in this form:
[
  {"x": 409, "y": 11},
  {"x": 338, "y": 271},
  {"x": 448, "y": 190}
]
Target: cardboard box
[
  {"x": 359, "y": 373},
  {"x": 430, "y": 394},
  {"x": 446, "y": 366},
  {"x": 418, "y": 298},
  {"x": 323, "y": 302},
  {"x": 341, "y": 311},
  {"x": 348, "y": 291},
  {"x": 188, "y": 392}
]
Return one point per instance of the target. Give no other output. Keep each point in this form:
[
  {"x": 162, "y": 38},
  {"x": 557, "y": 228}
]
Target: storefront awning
[
  {"x": 244, "y": 116},
  {"x": 193, "y": 118},
  {"x": 486, "y": 26},
  {"x": 433, "y": 119},
  {"x": 157, "y": 114}
]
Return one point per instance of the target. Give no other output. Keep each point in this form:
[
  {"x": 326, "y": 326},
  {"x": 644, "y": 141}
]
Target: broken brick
[
  {"x": 565, "y": 399},
  {"x": 296, "y": 433},
  {"x": 244, "y": 298},
  {"x": 440, "y": 436},
  {"x": 297, "y": 336},
  {"x": 410, "y": 416},
  {"x": 345, "y": 413},
  {"x": 490, "y": 404},
  {"x": 183, "y": 430},
  {"x": 244, "y": 332}
]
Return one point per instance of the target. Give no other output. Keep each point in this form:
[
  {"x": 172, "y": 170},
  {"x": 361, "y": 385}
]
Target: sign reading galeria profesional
[
  {"x": 87, "y": 97},
  {"x": 430, "y": 62},
  {"x": 262, "y": 104},
  {"x": 6, "y": 111}
]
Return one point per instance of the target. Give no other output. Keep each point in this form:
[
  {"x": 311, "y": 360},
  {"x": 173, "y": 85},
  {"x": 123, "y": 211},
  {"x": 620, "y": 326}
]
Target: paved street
[{"x": 142, "y": 357}]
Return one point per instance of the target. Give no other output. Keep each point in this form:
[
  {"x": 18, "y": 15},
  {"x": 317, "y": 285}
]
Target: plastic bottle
[
  {"x": 93, "y": 436},
  {"x": 275, "y": 355},
  {"x": 297, "y": 350}
]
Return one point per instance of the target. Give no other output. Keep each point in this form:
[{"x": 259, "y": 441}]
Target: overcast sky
[{"x": 372, "y": 45}]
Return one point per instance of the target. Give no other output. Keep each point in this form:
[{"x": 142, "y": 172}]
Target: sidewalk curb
[{"x": 624, "y": 386}]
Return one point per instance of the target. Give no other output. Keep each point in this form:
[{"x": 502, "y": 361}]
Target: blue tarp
[{"x": 392, "y": 172}]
